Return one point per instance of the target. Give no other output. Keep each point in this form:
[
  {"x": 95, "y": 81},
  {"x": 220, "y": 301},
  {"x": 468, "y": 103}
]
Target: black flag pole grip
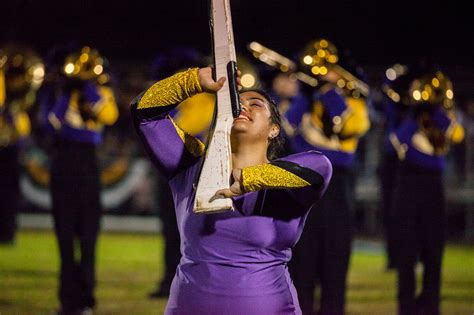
[{"x": 233, "y": 90}]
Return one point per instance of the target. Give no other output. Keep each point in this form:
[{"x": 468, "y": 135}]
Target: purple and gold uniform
[
  {"x": 332, "y": 124},
  {"x": 75, "y": 111},
  {"x": 421, "y": 142},
  {"x": 233, "y": 262},
  {"x": 396, "y": 107},
  {"x": 21, "y": 74}
]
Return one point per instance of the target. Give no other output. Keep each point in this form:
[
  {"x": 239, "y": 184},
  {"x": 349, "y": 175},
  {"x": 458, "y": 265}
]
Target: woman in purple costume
[{"x": 233, "y": 262}]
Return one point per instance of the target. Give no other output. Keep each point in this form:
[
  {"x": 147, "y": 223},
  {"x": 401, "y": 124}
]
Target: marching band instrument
[
  {"x": 321, "y": 56},
  {"x": 21, "y": 75},
  {"x": 396, "y": 88},
  {"x": 86, "y": 64},
  {"x": 427, "y": 92},
  {"x": 276, "y": 60},
  {"x": 216, "y": 168},
  {"x": 434, "y": 89}
]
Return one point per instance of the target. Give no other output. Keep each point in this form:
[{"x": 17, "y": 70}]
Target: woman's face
[{"x": 255, "y": 117}]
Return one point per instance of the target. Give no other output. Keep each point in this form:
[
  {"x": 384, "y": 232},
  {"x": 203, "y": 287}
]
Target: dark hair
[{"x": 276, "y": 145}]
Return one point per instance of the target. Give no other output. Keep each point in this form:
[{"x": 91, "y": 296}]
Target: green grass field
[{"x": 129, "y": 266}]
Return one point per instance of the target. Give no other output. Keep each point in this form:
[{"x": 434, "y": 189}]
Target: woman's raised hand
[
  {"x": 207, "y": 82},
  {"x": 236, "y": 189}
]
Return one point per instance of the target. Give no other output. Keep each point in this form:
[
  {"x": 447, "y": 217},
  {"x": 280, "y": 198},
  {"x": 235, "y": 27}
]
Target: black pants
[
  {"x": 170, "y": 234},
  {"x": 419, "y": 221},
  {"x": 75, "y": 190},
  {"x": 388, "y": 171},
  {"x": 9, "y": 192},
  {"x": 323, "y": 251}
]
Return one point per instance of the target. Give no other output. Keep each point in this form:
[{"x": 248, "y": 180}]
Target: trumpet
[
  {"x": 276, "y": 60},
  {"x": 433, "y": 89},
  {"x": 86, "y": 64},
  {"x": 321, "y": 56},
  {"x": 21, "y": 75}
]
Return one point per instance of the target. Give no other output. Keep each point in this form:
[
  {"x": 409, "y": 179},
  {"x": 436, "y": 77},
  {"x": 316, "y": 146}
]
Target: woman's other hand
[{"x": 236, "y": 189}]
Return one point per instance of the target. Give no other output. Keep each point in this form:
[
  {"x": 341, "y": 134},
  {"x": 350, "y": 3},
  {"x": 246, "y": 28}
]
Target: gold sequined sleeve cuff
[
  {"x": 172, "y": 90},
  {"x": 268, "y": 176}
]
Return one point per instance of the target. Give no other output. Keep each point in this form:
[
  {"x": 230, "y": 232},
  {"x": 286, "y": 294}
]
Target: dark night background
[{"x": 377, "y": 32}]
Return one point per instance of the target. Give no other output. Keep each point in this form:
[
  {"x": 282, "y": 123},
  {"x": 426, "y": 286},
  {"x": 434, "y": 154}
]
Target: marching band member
[
  {"x": 396, "y": 107},
  {"x": 75, "y": 107},
  {"x": 332, "y": 124},
  {"x": 421, "y": 143},
  {"x": 21, "y": 74},
  {"x": 232, "y": 262}
]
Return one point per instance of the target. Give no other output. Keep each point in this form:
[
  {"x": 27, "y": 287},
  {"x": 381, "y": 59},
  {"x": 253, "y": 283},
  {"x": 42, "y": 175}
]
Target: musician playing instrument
[
  {"x": 21, "y": 73},
  {"x": 232, "y": 262},
  {"x": 421, "y": 143},
  {"x": 76, "y": 106},
  {"x": 332, "y": 124}
]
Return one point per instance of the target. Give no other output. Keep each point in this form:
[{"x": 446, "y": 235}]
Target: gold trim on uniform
[
  {"x": 192, "y": 144},
  {"x": 12, "y": 131},
  {"x": 172, "y": 90},
  {"x": 357, "y": 122},
  {"x": 105, "y": 109},
  {"x": 267, "y": 176},
  {"x": 194, "y": 114},
  {"x": 348, "y": 127},
  {"x": 455, "y": 131}
]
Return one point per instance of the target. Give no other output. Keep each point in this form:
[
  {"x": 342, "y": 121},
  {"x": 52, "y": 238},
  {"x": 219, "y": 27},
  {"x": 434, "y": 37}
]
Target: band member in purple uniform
[
  {"x": 233, "y": 262},
  {"x": 396, "y": 107},
  {"x": 75, "y": 108},
  {"x": 21, "y": 73},
  {"x": 421, "y": 143},
  {"x": 333, "y": 124}
]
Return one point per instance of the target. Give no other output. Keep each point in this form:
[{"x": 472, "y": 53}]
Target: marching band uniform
[
  {"x": 421, "y": 143},
  {"x": 76, "y": 115},
  {"x": 332, "y": 124},
  {"x": 396, "y": 108},
  {"x": 21, "y": 72},
  {"x": 232, "y": 262},
  {"x": 287, "y": 95}
]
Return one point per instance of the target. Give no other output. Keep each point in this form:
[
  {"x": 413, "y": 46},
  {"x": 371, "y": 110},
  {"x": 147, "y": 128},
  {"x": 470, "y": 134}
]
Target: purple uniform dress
[{"x": 233, "y": 262}]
